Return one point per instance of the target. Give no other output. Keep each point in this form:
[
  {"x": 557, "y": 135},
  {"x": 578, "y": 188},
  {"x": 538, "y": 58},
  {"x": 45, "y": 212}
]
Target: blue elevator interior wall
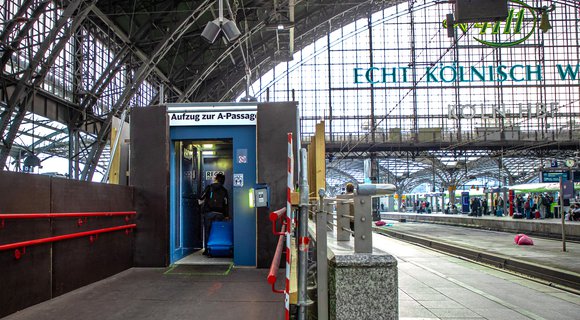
[{"x": 242, "y": 137}]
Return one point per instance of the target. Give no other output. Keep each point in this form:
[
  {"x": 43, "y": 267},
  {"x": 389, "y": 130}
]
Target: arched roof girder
[
  {"x": 488, "y": 175},
  {"x": 417, "y": 178},
  {"x": 415, "y": 184},
  {"x": 385, "y": 172},
  {"x": 348, "y": 177}
]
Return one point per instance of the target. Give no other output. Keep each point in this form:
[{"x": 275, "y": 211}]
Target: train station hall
[{"x": 290, "y": 159}]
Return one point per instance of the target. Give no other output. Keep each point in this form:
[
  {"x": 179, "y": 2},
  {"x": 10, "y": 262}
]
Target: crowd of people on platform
[
  {"x": 529, "y": 206},
  {"x": 538, "y": 206},
  {"x": 423, "y": 206}
]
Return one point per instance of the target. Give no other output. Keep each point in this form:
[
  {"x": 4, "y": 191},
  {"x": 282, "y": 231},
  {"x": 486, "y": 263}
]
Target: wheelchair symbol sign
[{"x": 238, "y": 180}]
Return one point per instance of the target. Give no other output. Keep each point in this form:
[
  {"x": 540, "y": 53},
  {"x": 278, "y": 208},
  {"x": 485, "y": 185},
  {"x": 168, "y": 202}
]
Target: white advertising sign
[
  {"x": 212, "y": 118},
  {"x": 209, "y": 175}
]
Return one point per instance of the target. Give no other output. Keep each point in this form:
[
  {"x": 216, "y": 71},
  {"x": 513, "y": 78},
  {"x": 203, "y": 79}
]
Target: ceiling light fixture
[{"x": 213, "y": 28}]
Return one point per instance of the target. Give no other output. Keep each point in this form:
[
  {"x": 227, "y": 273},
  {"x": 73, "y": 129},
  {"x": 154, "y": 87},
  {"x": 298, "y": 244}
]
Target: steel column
[
  {"x": 303, "y": 239},
  {"x": 321, "y": 257}
]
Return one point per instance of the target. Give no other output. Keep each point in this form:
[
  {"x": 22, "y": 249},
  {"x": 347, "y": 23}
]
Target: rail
[
  {"x": 28, "y": 243},
  {"x": 276, "y": 261},
  {"x": 64, "y": 215},
  {"x": 275, "y": 216},
  {"x": 91, "y": 233}
]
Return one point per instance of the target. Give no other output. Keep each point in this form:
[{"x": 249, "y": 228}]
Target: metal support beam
[
  {"x": 140, "y": 54},
  {"x": 142, "y": 73},
  {"x": 23, "y": 94},
  {"x": 90, "y": 100},
  {"x": 24, "y": 31},
  {"x": 20, "y": 92},
  {"x": 12, "y": 23}
]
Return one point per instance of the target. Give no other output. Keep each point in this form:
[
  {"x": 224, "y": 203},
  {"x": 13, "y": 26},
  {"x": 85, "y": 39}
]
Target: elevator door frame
[{"x": 243, "y": 137}]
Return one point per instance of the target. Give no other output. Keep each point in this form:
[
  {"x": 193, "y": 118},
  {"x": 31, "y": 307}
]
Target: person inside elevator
[{"x": 215, "y": 204}]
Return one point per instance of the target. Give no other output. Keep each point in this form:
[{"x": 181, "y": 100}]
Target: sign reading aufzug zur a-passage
[{"x": 212, "y": 118}]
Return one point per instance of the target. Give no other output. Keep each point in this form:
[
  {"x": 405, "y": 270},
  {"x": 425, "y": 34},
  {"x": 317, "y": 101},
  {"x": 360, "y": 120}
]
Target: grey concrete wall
[
  {"x": 275, "y": 120},
  {"x": 48, "y": 270}
]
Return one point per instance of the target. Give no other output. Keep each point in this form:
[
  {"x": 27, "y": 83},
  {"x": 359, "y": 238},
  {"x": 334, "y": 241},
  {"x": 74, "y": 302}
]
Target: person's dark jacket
[{"x": 215, "y": 198}]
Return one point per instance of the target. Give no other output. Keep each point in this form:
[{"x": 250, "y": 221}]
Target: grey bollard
[{"x": 376, "y": 189}]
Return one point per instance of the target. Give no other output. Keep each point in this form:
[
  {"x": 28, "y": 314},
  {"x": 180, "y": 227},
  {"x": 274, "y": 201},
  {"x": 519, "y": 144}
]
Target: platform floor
[
  {"x": 152, "y": 294},
  {"x": 432, "y": 286},
  {"x": 558, "y": 221},
  {"x": 545, "y": 252}
]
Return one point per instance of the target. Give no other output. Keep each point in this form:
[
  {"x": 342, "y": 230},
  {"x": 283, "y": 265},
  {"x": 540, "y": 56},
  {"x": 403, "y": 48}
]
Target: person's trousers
[{"x": 209, "y": 218}]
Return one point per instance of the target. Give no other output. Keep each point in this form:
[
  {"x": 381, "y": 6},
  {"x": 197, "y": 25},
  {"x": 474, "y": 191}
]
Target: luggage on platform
[{"x": 221, "y": 239}]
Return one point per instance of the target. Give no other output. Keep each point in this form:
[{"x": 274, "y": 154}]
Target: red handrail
[
  {"x": 65, "y": 215},
  {"x": 63, "y": 237},
  {"x": 276, "y": 262},
  {"x": 274, "y": 216}
]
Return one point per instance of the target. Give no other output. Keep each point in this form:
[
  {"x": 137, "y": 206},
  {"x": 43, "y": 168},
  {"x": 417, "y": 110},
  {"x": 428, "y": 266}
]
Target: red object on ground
[
  {"x": 525, "y": 241},
  {"x": 517, "y": 237},
  {"x": 380, "y": 223}
]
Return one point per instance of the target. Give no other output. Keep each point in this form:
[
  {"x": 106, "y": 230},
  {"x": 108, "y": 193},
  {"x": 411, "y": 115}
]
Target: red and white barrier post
[{"x": 289, "y": 189}]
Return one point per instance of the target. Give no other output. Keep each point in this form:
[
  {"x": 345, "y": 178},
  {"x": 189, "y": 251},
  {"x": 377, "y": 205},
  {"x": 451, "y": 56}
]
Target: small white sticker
[{"x": 238, "y": 179}]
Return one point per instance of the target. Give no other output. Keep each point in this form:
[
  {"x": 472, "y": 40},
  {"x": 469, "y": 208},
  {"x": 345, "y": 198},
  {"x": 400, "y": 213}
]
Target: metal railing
[
  {"x": 272, "y": 275},
  {"x": 20, "y": 247}
]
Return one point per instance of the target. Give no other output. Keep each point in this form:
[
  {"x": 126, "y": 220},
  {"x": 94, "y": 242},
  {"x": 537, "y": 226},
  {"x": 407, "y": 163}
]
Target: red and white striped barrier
[{"x": 290, "y": 188}]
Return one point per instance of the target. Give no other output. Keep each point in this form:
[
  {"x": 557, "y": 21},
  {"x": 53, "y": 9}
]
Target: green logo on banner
[{"x": 513, "y": 26}]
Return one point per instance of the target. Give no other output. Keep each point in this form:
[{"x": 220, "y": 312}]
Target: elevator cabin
[
  {"x": 197, "y": 163},
  {"x": 199, "y": 150}
]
